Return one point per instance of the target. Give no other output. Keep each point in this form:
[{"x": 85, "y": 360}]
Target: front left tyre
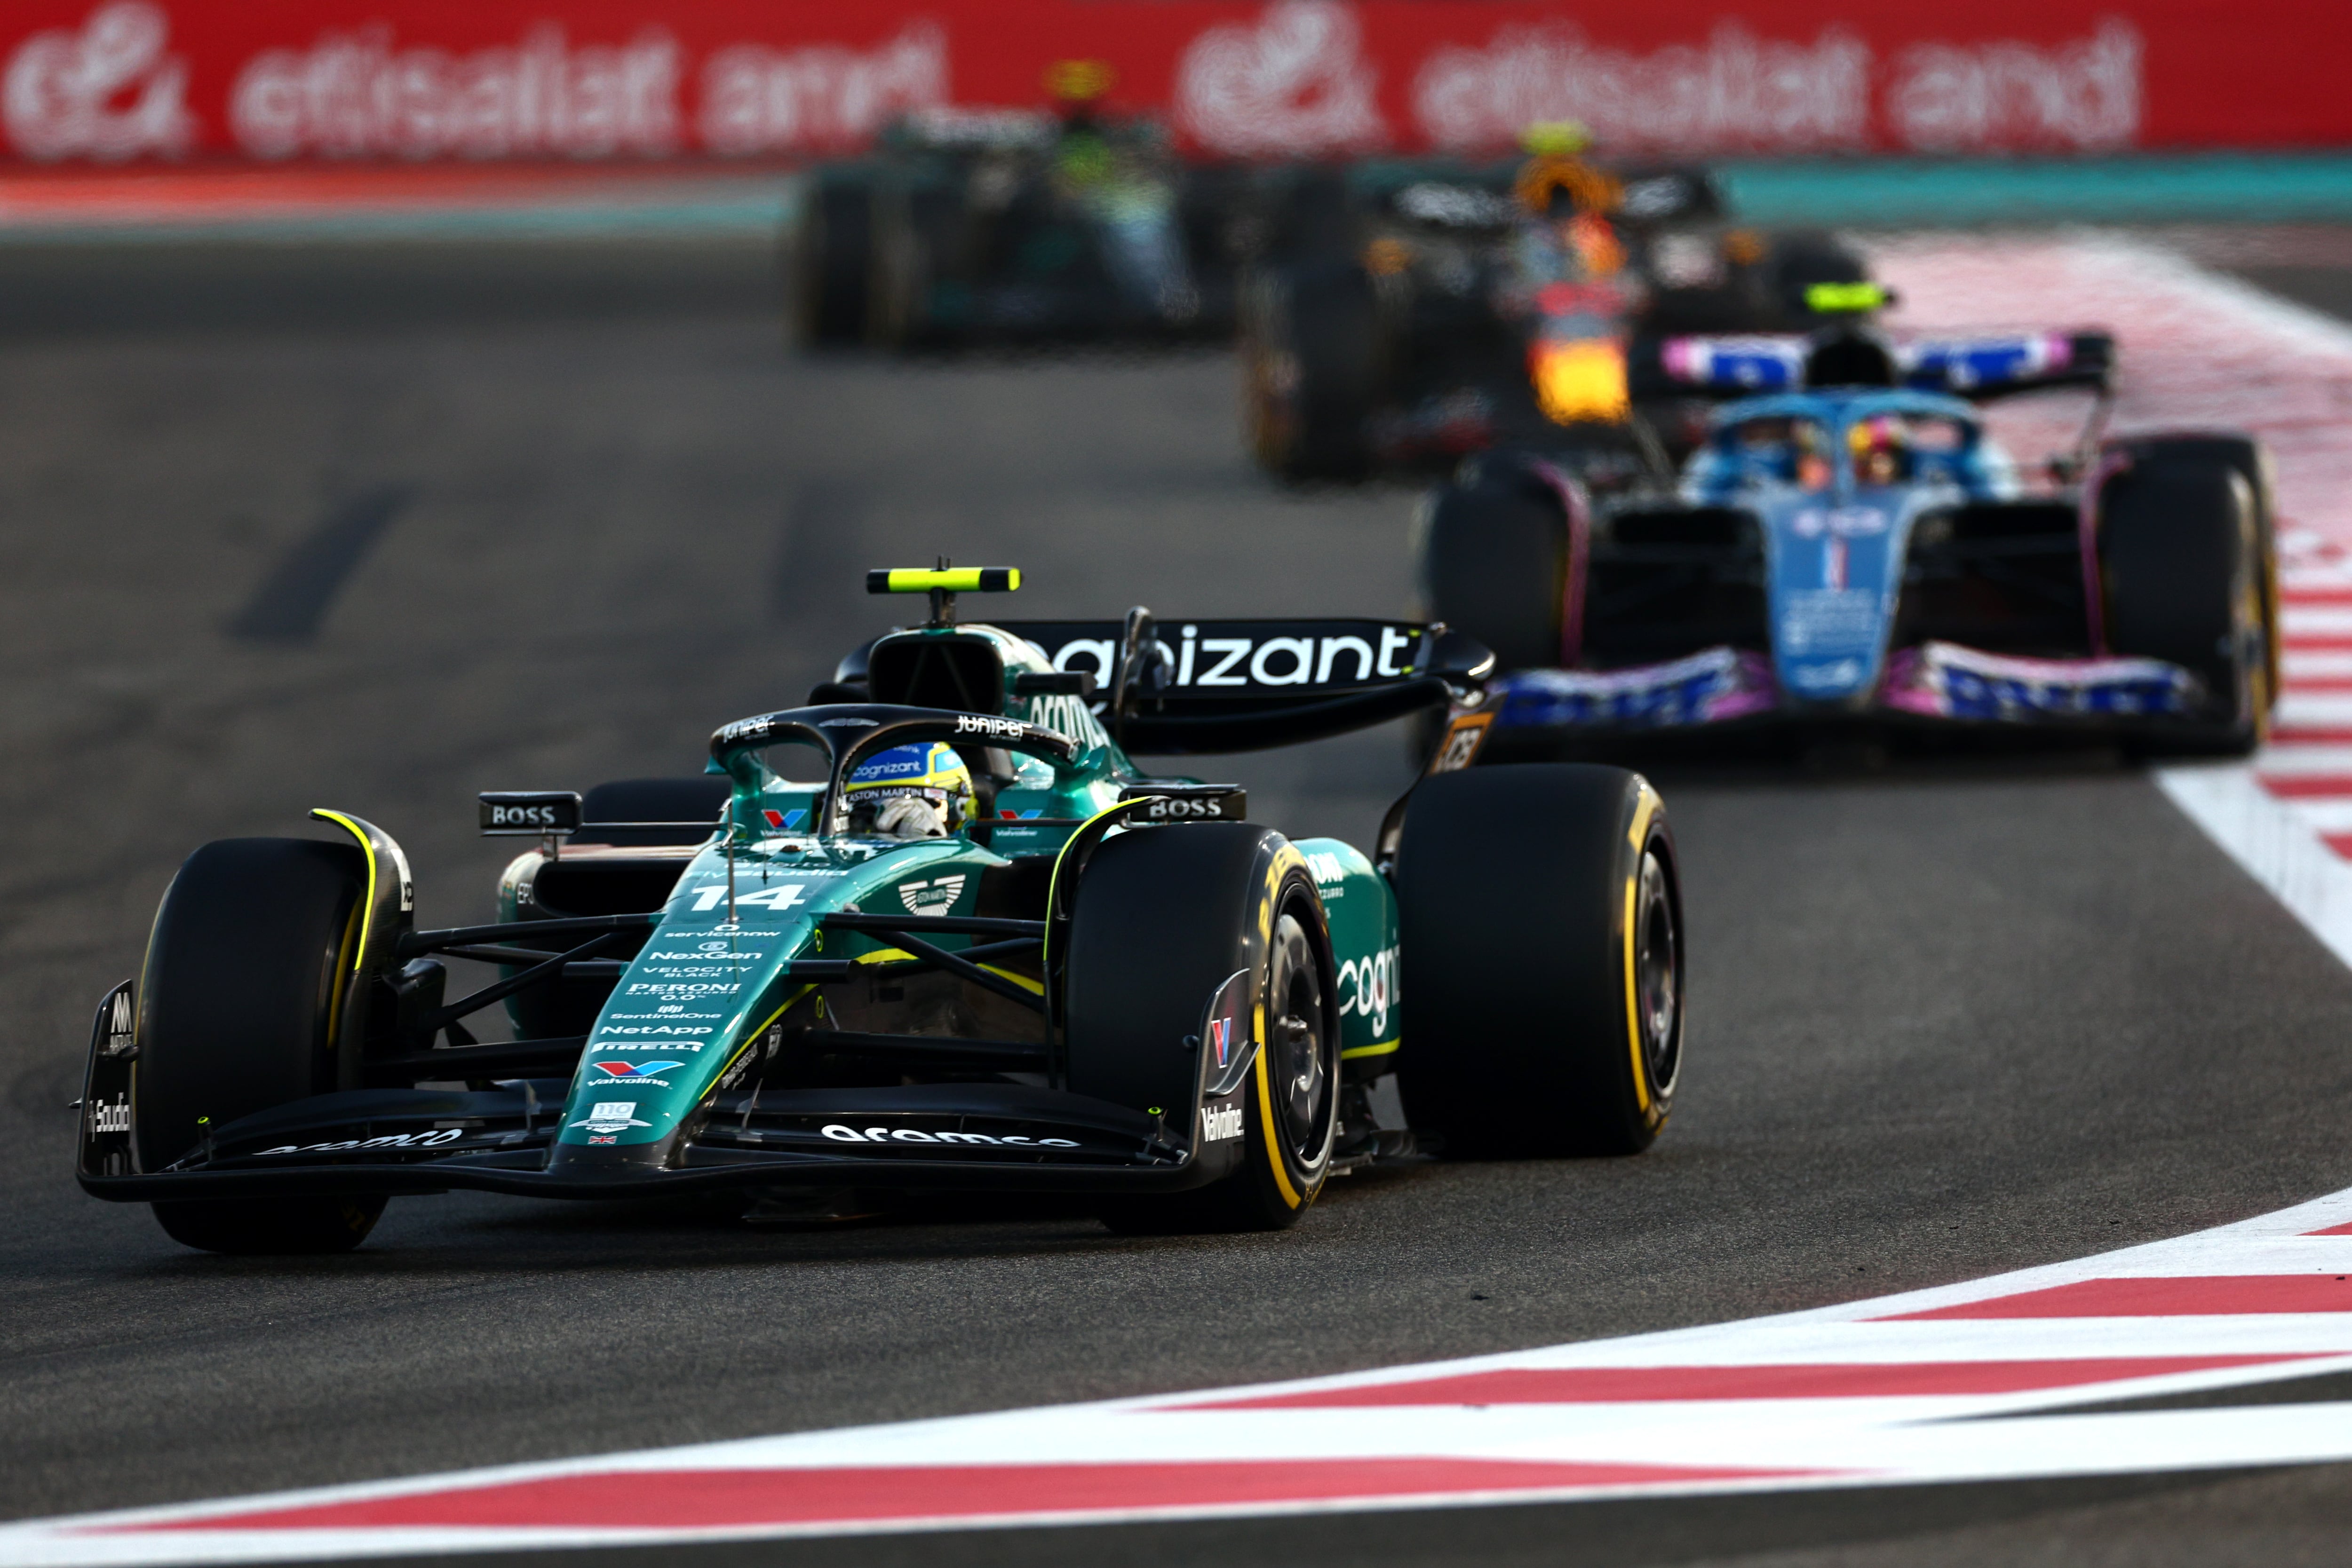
[
  {"x": 1163, "y": 917},
  {"x": 1540, "y": 918},
  {"x": 239, "y": 1010}
]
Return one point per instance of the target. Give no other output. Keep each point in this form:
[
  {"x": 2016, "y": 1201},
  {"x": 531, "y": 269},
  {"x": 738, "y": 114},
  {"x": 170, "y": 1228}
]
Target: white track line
[{"x": 1564, "y": 1422}]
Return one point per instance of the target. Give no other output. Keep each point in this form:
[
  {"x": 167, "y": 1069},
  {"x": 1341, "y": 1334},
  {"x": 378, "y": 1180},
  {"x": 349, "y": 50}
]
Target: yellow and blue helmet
[{"x": 918, "y": 792}]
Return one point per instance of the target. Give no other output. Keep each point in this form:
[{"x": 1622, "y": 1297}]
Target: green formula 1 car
[{"x": 936, "y": 931}]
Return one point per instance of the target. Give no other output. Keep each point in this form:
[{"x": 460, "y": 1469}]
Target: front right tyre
[{"x": 238, "y": 1011}]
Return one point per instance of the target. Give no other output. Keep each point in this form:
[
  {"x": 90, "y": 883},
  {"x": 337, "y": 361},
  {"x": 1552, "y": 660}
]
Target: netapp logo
[{"x": 841, "y": 1134}]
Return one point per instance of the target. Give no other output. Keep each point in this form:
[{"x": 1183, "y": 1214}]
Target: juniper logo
[{"x": 935, "y": 897}]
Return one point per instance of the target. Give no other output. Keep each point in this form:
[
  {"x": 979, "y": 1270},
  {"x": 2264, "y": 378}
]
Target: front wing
[
  {"x": 1936, "y": 681},
  {"x": 978, "y": 1137}
]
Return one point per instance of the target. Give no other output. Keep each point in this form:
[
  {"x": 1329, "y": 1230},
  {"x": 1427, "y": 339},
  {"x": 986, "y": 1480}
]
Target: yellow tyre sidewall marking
[
  {"x": 1646, "y": 806},
  {"x": 1290, "y": 1194},
  {"x": 1284, "y": 859},
  {"x": 367, "y": 851},
  {"x": 346, "y": 959}
]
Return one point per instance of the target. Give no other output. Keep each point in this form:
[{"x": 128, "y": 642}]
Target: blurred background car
[
  {"x": 1403, "y": 313},
  {"x": 1850, "y": 546},
  {"x": 1011, "y": 225}
]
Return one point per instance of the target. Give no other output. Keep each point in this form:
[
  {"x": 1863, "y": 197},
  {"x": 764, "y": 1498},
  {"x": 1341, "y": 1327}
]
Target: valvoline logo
[{"x": 633, "y": 1069}]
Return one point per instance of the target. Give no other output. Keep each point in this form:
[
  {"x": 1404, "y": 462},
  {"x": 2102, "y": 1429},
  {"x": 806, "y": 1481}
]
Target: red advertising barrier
[{"x": 274, "y": 80}]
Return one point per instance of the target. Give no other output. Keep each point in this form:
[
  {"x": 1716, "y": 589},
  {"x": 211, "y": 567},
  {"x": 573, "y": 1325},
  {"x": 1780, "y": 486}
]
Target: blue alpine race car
[{"x": 1848, "y": 545}]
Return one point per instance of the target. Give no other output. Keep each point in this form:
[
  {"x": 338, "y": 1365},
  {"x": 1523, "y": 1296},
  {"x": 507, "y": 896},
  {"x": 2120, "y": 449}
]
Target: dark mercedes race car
[
  {"x": 968, "y": 227},
  {"x": 937, "y": 933},
  {"x": 1849, "y": 549}
]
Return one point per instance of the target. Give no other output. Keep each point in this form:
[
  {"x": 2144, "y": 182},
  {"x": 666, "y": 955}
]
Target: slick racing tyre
[
  {"x": 2184, "y": 577},
  {"x": 914, "y": 238},
  {"x": 1163, "y": 917},
  {"x": 1493, "y": 560},
  {"x": 239, "y": 1004},
  {"x": 829, "y": 256},
  {"x": 1311, "y": 352},
  {"x": 1542, "y": 979}
]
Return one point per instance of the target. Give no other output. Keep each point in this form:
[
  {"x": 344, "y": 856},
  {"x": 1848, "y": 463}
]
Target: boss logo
[
  {"x": 1188, "y": 803},
  {"x": 516, "y": 812},
  {"x": 1164, "y": 809}
]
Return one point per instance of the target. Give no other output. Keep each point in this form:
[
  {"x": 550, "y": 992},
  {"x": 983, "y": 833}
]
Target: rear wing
[
  {"x": 1979, "y": 367},
  {"x": 1172, "y": 687}
]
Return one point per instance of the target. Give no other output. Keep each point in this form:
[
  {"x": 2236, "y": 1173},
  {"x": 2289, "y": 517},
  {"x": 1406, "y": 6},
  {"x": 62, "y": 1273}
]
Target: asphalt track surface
[{"x": 380, "y": 530}]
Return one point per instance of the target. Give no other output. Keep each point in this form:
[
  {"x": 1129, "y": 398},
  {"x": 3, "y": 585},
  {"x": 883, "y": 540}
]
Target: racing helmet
[
  {"x": 1555, "y": 181},
  {"x": 1881, "y": 449},
  {"x": 921, "y": 790}
]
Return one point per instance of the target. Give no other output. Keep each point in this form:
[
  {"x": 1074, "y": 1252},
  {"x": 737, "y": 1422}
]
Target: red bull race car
[{"x": 1405, "y": 313}]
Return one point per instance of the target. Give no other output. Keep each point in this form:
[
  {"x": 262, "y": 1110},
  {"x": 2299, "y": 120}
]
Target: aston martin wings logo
[{"x": 935, "y": 897}]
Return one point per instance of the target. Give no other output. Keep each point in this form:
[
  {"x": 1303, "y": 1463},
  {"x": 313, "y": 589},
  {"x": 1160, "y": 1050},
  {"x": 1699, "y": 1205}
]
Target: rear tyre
[
  {"x": 1542, "y": 999},
  {"x": 914, "y": 238},
  {"x": 831, "y": 255},
  {"x": 1163, "y": 917},
  {"x": 239, "y": 1005},
  {"x": 2185, "y": 578},
  {"x": 1311, "y": 351},
  {"x": 1494, "y": 564}
]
